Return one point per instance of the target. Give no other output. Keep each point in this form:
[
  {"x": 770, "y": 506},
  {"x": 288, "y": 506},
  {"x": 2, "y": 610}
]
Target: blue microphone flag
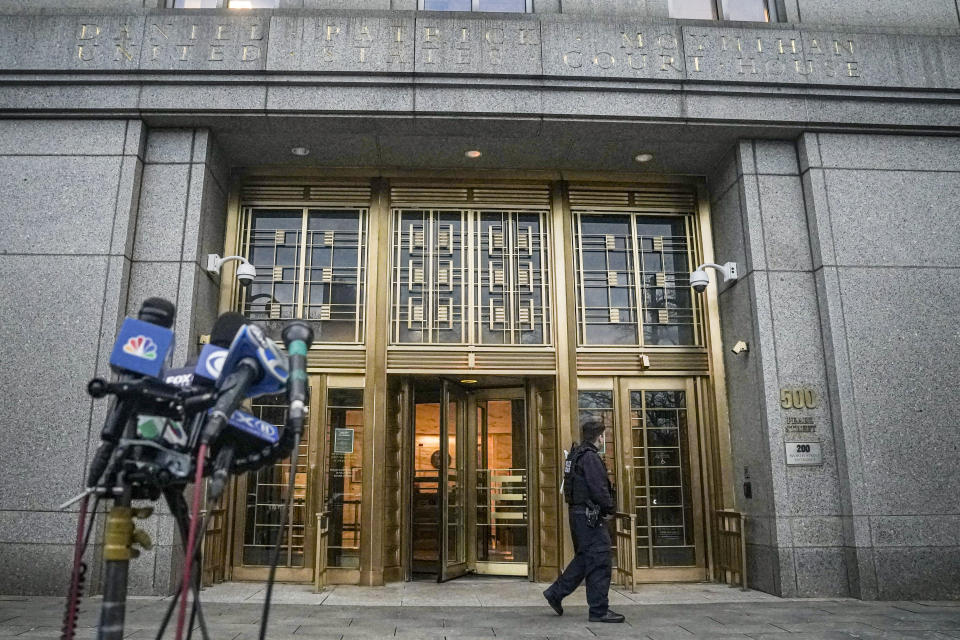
[{"x": 141, "y": 347}]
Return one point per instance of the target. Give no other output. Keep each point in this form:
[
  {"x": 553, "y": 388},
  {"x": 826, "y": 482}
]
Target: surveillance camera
[
  {"x": 699, "y": 280},
  {"x": 246, "y": 272}
]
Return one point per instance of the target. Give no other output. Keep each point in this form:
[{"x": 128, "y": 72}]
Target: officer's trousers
[{"x": 591, "y": 562}]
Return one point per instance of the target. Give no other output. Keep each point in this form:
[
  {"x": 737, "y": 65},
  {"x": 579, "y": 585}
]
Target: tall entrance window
[
  {"x": 470, "y": 277},
  {"x": 311, "y": 264},
  {"x": 633, "y": 279},
  {"x": 651, "y": 449},
  {"x": 344, "y": 477}
]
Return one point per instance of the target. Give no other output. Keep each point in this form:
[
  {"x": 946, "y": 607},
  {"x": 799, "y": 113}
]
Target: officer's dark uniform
[{"x": 591, "y": 544}]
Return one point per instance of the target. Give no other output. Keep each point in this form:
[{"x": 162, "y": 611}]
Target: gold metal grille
[
  {"x": 632, "y": 269},
  {"x": 463, "y": 276}
]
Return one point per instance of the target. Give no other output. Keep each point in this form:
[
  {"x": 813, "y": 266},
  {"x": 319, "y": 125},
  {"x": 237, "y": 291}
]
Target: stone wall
[
  {"x": 88, "y": 236},
  {"x": 883, "y": 217},
  {"x": 68, "y": 217},
  {"x": 794, "y": 535}
]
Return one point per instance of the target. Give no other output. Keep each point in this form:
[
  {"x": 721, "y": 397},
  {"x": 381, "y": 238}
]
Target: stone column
[
  {"x": 69, "y": 189},
  {"x": 794, "y": 532},
  {"x": 182, "y": 214}
]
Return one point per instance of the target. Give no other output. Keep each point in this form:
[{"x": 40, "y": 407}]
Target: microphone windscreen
[
  {"x": 157, "y": 311},
  {"x": 225, "y": 328}
]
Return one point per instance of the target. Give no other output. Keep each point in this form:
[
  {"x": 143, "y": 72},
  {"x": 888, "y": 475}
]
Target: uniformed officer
[{"x": 587, "y": 493}]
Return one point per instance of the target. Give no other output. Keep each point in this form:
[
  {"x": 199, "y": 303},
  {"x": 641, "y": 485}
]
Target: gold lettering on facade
[
  {"x": 429, "y": 59},
  {"x": 604, "y": 60},
  {"x": 216, "y": 53},
  {"x": 89, "y": 32},
  {"x": 84, "y": 52},
  {"x": 774, "y": 67},
  {"x": 463, "y": 56},
  {"x": 793, "y": 45},
  {"x": 701, "y": 38},
  {"x": 363, "y": 55},
  {"x": 431, "y": 34},
  {"x": 160, "y": 31},
  {"x": 396, "y": 55},
  {"x": 332, "y": 30},
  {"x": 853, "y": 71},
  {"x": 759, "y": 45},
  {"x": 726, "y": 46},
  {"x": 667, "y": 41},
  {"x": 523, "y": 36},
  {"x": 222, "y": 32},
  {"x": 122, "y": 52},
  {"x": 643, "y": 60},
  {"x": 363, "y": 34},
  {"x": 839, "y": 47},
  {"x": 815, "y": 47},
  {"x": 668, "y": 62},
  {"x": 746, "y": 62},
  {"x": 329, "y": 55},
  {"x": 256, "y": 33},
  {"x": 123, "y": 33},
  {"x": 185, "y": 51},
  {"x": 630, "y": 42},
  {"x": 494, "y": 36},
  {"x": 696, "y": 63},
  {"x": 193, "y": 32},
  {"x": 496, "y": 56},
  {"x": 399, "y": 33},
  {"x": 829, "y": 69},
  {"x": 573, "y": 59},
  {"x": 803, "y": 69},
  {"x": 155, "y": 52},
  {"x": 250, "y": 53},
  {"x": 464, "y": 38}
]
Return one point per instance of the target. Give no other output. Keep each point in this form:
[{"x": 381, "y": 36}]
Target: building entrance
[{"x": 469, "y": 481}]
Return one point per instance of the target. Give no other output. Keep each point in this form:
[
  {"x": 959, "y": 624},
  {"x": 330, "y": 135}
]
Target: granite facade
[{"x": 846, "y": 234}]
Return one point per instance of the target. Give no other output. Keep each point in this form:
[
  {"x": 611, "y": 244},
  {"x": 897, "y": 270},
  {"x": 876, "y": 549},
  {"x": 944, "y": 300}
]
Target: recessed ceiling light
[
  {"x": 300, "y": 151},
  {"x": 468, "y": 381},
  {"x": 643, "y": 157},
  {"x": 473, "y": 153}
]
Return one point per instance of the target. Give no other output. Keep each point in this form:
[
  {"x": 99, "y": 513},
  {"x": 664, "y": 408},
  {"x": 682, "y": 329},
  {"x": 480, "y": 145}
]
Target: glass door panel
[
  {"x": 662, "y": 477},
  {"x": 262, "y": 498},
  {"x": 502, "y": 518},
  {"x": 344, "y": 477},
  {"x": 425, "y": 490},
  {"x": 453, "y": 557}
]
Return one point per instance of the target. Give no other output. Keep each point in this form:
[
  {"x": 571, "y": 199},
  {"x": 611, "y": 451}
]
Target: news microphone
[
  {"x": 245, "y": 435},
  {"x": 253, "y": 366},
  {"x": 141, "y": 348},
  {"x": 297, "y": 337},
  {"x": 205, "y": 370}
]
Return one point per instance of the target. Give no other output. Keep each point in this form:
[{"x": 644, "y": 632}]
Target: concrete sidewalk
[{"x": 497, "y": 608}]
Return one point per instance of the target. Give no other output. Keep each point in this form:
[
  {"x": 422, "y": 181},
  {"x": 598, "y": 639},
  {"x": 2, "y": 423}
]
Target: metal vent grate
[
  {"x": 631, "y": 361},
  {"x": 399, "y": 360},
  {"x": 313, "y": 193},
  {"x": 645, "y": 199},
  {"x": 526, "y": 196}
]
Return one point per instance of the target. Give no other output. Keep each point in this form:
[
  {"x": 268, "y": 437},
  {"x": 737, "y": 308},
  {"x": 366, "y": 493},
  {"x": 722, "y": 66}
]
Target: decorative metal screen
[
  {"x": 633, "y": 279},
  {"x": 665, "y": 536},
  {"x": 266, "y": 496},
  {"x": 470, "y": 277},
  {"x": 311, "y": 264}
]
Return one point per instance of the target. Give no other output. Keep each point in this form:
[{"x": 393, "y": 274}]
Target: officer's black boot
[
  {"x": 610, "y": 616},
  {"x": 554, "y": 602}
]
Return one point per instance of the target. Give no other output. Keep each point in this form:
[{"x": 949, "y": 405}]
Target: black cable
[
  {"x": 179, "y": 510},
  {"x": 276, "y": 545}
]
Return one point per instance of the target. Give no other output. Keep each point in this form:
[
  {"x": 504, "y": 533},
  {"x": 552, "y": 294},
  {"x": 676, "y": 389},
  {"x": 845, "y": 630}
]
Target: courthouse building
[{"x": 489, "y": 211}]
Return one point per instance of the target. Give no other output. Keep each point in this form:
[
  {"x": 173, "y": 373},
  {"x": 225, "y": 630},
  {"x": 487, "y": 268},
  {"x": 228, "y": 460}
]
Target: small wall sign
[
  {"x": 343, "y": 441},
  {"x": 803, "y": 453},
  {"x": 799, "y": 398}
]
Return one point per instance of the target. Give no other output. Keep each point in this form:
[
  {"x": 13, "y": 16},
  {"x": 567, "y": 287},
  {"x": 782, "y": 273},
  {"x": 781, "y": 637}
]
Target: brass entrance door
[
  {"x": 652, "y": 448},
  {"x": 453, "y": 484},
  {"x": 500, "y": 495},
  {"x": 261, "y": 497}
]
